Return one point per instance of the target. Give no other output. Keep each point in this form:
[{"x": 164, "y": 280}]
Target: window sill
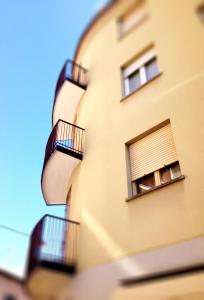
[
  {"x": 156, "y": 188},
  {"x": 143, "y": 85}
]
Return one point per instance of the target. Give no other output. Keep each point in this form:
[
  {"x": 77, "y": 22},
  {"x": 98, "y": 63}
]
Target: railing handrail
[
  {"x": 64, "y": 75},
  {"x": 60, "y": 120},
  {"x": 75, "y": 64},
  {"x": 54, "y": 217},
  {"x": 60, "y": 218}
]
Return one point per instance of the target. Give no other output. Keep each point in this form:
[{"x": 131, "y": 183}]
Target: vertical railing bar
[
  {"x": 74, "y": 242},
  {"x": 59, "y": 132},
  {"x": 69, "y": 144},
  {"x": 49, "y": 240},
  {"x": 81, "y": 141},
  {"x": 78, "y": 140},
  {"x": 76, "y": 137},
  {"x": 64, "y": 237},
  {"x": 64, "y": 133},
  {"x": 58, "y": 238},
  {"x": 53, "y": 238},
  {"x": 65, "y": 241},
  {"x": 67, "y": 135}
]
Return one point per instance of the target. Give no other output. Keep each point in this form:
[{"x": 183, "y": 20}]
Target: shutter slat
[{"x": 152, "y": 152}]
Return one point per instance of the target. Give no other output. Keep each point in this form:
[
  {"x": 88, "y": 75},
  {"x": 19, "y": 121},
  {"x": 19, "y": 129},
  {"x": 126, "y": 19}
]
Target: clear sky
[{"x": 35, "y": 39}]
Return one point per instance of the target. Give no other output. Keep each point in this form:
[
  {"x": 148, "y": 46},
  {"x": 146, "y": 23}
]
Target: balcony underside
[
  {"x": 66, "y": 101},
  {"x": 187, "y": 287},
  {"x": 57, "y": 173},
  {"x": 46, "y": 281}
]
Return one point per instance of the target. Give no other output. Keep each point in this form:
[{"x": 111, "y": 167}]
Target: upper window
[
  {"x": 132, "y": 18},
  {"x": 153, "y": 161},
  {"x": 140, "y": 71},
  {"x": 200, "y": 12}
]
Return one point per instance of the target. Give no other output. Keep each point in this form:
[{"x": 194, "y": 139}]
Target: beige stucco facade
[
  {"x": 112, "y": 229},
  {"x": 99, "y": 185}
]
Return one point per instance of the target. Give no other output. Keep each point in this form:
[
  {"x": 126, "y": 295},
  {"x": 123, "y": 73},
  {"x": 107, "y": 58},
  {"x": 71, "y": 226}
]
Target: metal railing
[
  {"x": 53, "y": 241},
  {"x": 73, "y": 72},
  {"x": 65, "y": 137}
]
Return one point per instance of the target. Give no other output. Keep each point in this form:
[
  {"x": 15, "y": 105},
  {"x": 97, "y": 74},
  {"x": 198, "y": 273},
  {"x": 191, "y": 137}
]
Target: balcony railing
[
  {"x": 67, "y": 138},
  {"x": 53, "y": 245},
  {"x": 73, "y": 72}
]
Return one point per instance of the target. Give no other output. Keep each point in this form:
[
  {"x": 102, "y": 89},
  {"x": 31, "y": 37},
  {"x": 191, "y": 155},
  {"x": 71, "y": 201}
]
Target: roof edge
[
  {"x": 93, "y": 21},
  {"x": 11, "y": 276}
]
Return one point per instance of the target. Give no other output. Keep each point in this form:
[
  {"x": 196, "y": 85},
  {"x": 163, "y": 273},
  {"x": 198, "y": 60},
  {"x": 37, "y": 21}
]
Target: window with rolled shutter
[
  {"x": 152, "y": 152},
  {"x": 132, "y": 18}
]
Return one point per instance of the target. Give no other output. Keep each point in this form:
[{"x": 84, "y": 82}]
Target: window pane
[
  {"x": 145, "y": 183},
  {"x": 170, "y": 172},
  {"x": 165, "y": 175},
  {"x": 134, "y": 81},
  {"x": 151, "y": 69},
  {"x": 175, "y": 170}
]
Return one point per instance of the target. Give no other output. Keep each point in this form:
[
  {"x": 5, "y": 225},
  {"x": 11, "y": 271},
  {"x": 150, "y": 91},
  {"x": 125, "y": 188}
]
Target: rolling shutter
[
  {"x": 132, "y": 18},
  {"x": 152, "y": 152}
]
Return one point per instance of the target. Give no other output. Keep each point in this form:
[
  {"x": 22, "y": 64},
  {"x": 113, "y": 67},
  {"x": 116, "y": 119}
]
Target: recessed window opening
[
  {"x": 132, "y": 18},
  {"x": 153, "y": 161},
  {"x": 140, "y": 71}
]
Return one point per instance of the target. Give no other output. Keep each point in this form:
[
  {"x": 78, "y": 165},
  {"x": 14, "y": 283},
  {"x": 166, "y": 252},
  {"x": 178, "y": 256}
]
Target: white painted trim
[{"x": 131, "y": 68}]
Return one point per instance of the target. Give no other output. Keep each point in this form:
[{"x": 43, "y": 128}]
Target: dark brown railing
[
  {"x": 67, "y": 138},
  {"x": 53, "y": 244},
  {"x": 73, "y": 72}
]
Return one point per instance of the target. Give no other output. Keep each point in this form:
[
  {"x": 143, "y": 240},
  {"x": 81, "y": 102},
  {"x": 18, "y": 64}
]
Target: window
[
  {"x": 200, "y": 12},
  {"x": 140, "y": 71},
  {"x": 132, "y": 18},
  {"x": 153, "y": 161}
]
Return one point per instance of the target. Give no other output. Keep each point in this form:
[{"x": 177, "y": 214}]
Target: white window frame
[
  {"x": 137, "y": 65},
  {"x": 157, "y": 178}
]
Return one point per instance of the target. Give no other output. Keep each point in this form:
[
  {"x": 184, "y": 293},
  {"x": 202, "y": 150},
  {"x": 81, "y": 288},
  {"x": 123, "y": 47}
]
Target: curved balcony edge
[
  {"x": 76, "y": 75},
  {"x": 63, "y": 153},
  {"x": 52, "y": 255}
]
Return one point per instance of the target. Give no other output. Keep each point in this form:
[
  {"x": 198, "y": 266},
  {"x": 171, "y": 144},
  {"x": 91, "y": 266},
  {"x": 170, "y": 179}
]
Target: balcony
[
  {"x": 63, "y": 153},
  {"x": 71, "y": 84},
  {"x": 52, "y": 258}
]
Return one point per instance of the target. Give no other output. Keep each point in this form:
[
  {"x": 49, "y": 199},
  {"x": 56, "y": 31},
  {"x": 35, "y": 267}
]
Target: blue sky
[{"x": 35, "y": 39}]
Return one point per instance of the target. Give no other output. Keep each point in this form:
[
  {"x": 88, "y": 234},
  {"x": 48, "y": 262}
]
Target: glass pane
[
  {"x": 165, "y": 175},
  {"x": 170, "y": 172},
  {"x": 134, "y": 81},
  {"x": 151, "y": 69},
  {"x": 175, "y": 170},
  {"x": 145, "y": 183}
]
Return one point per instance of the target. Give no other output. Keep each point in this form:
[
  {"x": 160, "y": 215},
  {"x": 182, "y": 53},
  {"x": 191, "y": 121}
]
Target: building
[
  {"x": 133, "y": 179},
  {"x": 12, "y": 287}
]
